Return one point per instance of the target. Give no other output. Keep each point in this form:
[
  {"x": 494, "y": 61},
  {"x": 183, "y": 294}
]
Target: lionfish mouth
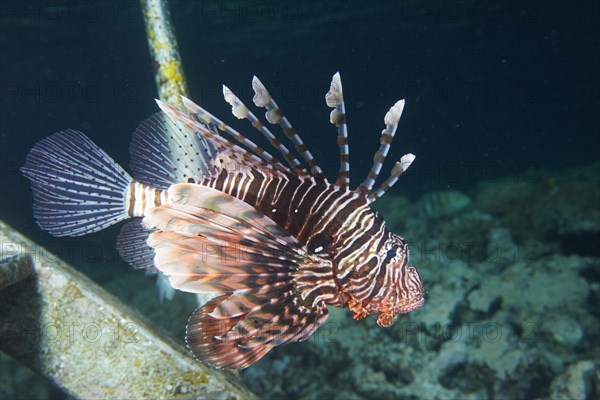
[{"x": 411, "y": 306}]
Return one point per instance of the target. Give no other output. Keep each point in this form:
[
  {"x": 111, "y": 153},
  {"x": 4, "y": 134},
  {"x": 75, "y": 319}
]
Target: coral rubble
[{"x": 511, "y": 310}]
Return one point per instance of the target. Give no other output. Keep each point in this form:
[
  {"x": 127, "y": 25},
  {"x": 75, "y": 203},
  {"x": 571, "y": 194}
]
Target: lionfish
[{"x": 272, "y": 238}]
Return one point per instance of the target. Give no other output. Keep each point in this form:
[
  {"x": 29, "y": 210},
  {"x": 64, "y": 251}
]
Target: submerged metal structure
[
  {"x": 162, "y": 42},
  {"x": 61, "y": 324}
]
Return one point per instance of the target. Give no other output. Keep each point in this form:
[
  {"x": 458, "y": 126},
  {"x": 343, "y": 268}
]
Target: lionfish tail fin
[
  {"x": 77, "y": 188},
  {"x": 335, "y": 99},
  {"x": 392, "y": 117},
  {"x": 274, "y": 115}
]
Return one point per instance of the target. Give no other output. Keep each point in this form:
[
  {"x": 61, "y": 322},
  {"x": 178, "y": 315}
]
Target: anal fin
[{"x": 133, "y": 248}]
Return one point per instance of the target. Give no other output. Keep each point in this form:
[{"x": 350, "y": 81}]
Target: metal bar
[
  {"x": 64, "y": 326},
  {"x": 15, "y": 268},
  {"x": 168, "y": 70}
]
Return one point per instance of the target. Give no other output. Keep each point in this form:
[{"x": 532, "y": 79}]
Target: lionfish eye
[{"x": 391, "y": 254}]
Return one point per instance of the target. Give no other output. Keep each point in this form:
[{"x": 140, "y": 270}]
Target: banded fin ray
[
  {"x": 228, "y": 155},
  {"x": 391, "y": 119},
  {"x": 398, "y": 169},
  {"x": 335, "y": 99},
  {"x": 204, "y": 116},
  {"x": 77, "y": 187},
  {"x": 274, "y": 115},
  {"x": 239, "y": 110}
]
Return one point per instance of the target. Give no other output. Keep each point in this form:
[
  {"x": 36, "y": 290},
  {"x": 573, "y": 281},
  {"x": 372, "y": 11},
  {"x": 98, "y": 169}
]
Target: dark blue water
[{"x": 492, "y": 88}]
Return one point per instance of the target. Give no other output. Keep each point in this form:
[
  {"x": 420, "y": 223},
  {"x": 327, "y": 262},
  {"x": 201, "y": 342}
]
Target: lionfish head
[{"x": 405, "y": 289}]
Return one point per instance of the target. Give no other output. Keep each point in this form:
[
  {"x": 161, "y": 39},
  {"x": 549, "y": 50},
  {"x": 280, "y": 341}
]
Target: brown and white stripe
[{"x": 140, "y": 199}]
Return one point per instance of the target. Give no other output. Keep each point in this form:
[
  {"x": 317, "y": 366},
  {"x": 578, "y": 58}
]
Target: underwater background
[{"x": 501, "y": 207}]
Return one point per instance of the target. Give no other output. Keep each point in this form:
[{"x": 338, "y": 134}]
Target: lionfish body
[{"x": 276, "y": 243}]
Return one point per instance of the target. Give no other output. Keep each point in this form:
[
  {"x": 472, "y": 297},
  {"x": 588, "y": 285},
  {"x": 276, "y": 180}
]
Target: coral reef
[
  {"x": 547, "y": 206},
  {"x": 579, "y": 381},
  {"x": 441, "y": 204},
  {"x": 511, "y": 311},
  {"x": 513, "y": 285}
]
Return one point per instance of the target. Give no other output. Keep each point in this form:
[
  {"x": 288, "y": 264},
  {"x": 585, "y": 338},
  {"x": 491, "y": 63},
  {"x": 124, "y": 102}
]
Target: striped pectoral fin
[
  {"x": 207, "y": 241},
  {"x": 203, "y": 339},
  {"x": 198, "y": 265},
  {"x": 207, "y": 230},
  {"x": 210, "y": 242},
  {"x": 206, "y": 204},
  {"x": 236, "y": 330}
]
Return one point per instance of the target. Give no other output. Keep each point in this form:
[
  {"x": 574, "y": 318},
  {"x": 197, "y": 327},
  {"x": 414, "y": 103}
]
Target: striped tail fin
[{"x": 77, "y": 188}]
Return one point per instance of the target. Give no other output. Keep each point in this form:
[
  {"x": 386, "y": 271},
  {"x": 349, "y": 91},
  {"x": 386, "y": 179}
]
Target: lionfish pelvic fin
[{"x": 236, "y": 330}]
